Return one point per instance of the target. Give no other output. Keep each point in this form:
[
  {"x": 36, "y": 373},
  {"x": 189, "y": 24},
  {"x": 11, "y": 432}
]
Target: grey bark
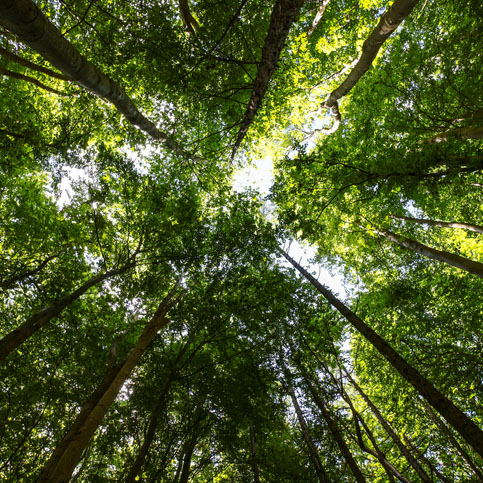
[
  {"x": 31, "y": 26},
  {"x": 469, "y": 431}
]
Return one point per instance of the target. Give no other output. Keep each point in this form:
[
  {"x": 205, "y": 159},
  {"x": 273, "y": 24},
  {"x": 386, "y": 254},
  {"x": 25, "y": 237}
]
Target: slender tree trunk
[
  {"x": 61, "y": 464},
  {"x": 446, "y": 431},
  {"x": 14, "y": 339},
  {"x": 188, "y": 19},
  {"x": 392, "y": 434},
  {"x": 31, "y": 26},
  {"x": 396, "y": 13},
  {"x": 253, "y": 453},
  {"x": 318, "y": 17},
  {"x": 457, "y": 133},
  {"x": 312, "y": 450},
  {"x": 469, "y": 431},
  {"x": 332, "y": 425},
  {"x": 442, "y": 224},
  {"x": 457, "y": 261},
  {"x": 26, "y": 63},
  {"x": 283, "y": 16},
  {"x": 31, "y": 80}
]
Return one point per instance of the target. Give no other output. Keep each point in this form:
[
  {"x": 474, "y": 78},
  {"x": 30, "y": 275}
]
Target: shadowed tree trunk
[
  {"x": 66, "y": 456},
  {"x": 454, "y": 416},
  {"x": 476, "y": 268},
  {"x": 283, "y": 16},
  {"x": 389, "y": 22},
  {"x": 332, "y": 425},
  {"x": 31, "y": 26},
  {"x": 188, "y": 19},
  {"x": 14, "y": 339},
  {"x": 312, "y": 450},
  {"x": 457, "y": 133},
  {"x": 442, "y": 224},
  {"x": 253, "y": 454}
]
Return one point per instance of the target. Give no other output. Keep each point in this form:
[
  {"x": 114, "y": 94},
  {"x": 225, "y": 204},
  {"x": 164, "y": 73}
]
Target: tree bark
[
  {"x": 318, "y": 17},
  {"x": 26, "y": 63},
  {"x": 457, "y": 133},
  {"x": 332, "y": 425},
  {"x": 476, "y": 268},
  {"x": 312, "y": 450},
  {"x": 393, "y": 17},
  {"x": 253, "y": 454},
  {"x": 188, "y": 19},
  {"x": 469, "y": 431},
  {"x": 64, "y": 459},
  {"x": 14, "y": 339},
  {"x": 392, "y": 434},
  {"x": 283, "y": 16},
  {"x": 442, "y": 224},
  {"x": 31, "y": 26}
]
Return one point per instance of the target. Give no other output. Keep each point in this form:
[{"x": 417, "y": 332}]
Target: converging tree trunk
[
  {"x": 389, "y": 22},
  {"x": 333, "y": 428},
  {"x": 457, "y": 261},
  {"x": 442, "y": 224},
  {"x": 312, "y": 450},
  {"x": 31, "y": 26},
  {"x": 14, "y": 339},
  {"x": 318, "y": 17},
  {"x": 470, "y": 432},
  {"x": 64, "y": 459},
  {"x": 283, "y": 16}
]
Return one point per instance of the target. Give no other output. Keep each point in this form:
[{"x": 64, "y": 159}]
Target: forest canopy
[{"x": 156, "y": 323}]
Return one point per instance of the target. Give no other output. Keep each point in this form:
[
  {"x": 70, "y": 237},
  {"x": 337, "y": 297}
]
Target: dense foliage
[{"x": 151, "y": 329}]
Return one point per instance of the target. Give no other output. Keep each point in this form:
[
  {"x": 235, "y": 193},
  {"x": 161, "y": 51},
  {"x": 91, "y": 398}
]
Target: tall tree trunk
[
  {"x": 392, "y": 434},
  {"x": 447, "y": 432},
  {"x": 318, "y": 17},
  {"x": 61, "y": 464},
  {"x": 26, "y": 63},
  {"x": 188, "y": 19},
  {"x": 153, "y": 422},
  {"x": 283, "y": 16},
  {"x": 332, "y": 425},
  {"x": 14, "y": 339},
  {"x": 396, "y": 13},
  {"x": 442, "y": 224},
  {"x": 469, "y": 431},
  {"x": 467, "y": 132},
  {"x": 312, "y": 450},
  {"x": 253, "y": 454},
  {"x": 457, "y": 261},
  {"x": 31, "y": 26}
]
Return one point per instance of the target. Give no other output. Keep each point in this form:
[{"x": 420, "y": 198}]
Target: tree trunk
[
  {"x": 26, "y": 63},
  {"x": 312, "y": 450},
  {"x": 283, "y": 16},
  {"x": 442, "y": 224},
  {"x": 469, "y": 431},
  {"x": 387, "y": 427},
  {"x": 253, "y": 454},
  {"x": 14, "y": 339},
  {"x": 457, "y": 261},
  {"x": 396, "y": 13},
  {"x": 457, "y": 133},
  {"x": 318, "y": 17},
  {"x": 332, "y": 425},
  {"x": 63, "y": 461},
  {"x": 31, "y": 26},
  {"x": 188, "y": 19}
]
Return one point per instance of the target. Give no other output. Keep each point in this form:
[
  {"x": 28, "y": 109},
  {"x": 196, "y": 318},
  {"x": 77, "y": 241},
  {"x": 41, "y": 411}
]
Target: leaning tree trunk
[
  {"x": 332, "y": 425},
  {"x": 14, "y": 339},
  {"x": 66, "y": 456},
  {"x": 469, "y": 431},
  {"x": 312, "y": 450},
  {"x": 392, "y": 434},
  {"x": 31, "y": 26},
  {"x": 441, "y": 224},
  {"x": 283, "y": 16},
  {"x": 389, "y": 22},
  {"x": 458, "y": 261},
  {"x": 466, "y": 132}
]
